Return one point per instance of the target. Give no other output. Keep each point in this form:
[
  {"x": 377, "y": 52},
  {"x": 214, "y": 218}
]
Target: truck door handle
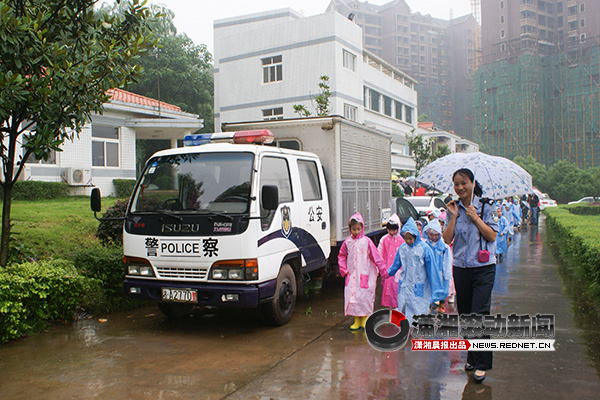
[{"x": 323, "y": 225}]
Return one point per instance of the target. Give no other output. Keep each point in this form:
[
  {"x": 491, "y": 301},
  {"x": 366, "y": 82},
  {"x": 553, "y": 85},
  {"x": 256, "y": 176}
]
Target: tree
[
  {"x": 420, "y": 150},
  {"x": 423, "y": 118},
  {"x": 562, "y": 181},
  {"x": 322, "y": 100},
  {"x": 441, "y": 151},
  {"x": 58, "y": 59},
  {"x": 538, "y": 172},
  {"x": 177, "y": 71}
]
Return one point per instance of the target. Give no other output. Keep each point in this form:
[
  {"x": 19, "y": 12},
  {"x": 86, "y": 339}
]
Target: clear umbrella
[{"x": 498, "y": 176}]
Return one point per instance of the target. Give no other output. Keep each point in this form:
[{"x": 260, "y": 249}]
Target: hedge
[
  {"x": 584, "y": 210},
  {"x": 106, "y": 265},
  {"x": 578, "y": 237},
  {"x": 35, "y": 294},
  {"x": 124, "y": 187},
  {"x": 38, "y": 190}
]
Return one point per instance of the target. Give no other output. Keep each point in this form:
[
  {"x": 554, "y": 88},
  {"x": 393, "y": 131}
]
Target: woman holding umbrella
[{"x": 470, "y": 223}]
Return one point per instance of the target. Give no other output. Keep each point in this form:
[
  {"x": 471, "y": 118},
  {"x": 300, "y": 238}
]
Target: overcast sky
[{"x": 195, "y": 17}]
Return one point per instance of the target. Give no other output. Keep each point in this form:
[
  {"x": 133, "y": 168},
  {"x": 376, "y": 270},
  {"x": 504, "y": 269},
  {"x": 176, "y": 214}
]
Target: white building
[
  {"x": 106, "y": 149},
  {"x": 267, "y": 62},
  {"x": 455, "y": 143}
]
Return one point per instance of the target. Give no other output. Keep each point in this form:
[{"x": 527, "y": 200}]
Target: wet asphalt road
[{"x": 232, "y": 355}]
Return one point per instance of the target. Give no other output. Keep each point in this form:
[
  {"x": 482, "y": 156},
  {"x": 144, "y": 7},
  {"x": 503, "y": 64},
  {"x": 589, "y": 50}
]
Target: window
[
  {"x": 582, "y": 7},
  {"x": 291, "y": 144},
  {"x": 349, "y": 60},
  {"x": 559, "y": 21},
  {"x": 503, "y": 47},
  {"x": 559, "y": 7},
  {"x": 271, "y": 114},
  {"x": 275, "y": 171},
  {"x": 502, "y": 19},
  {"x": 573, "y": 25},
  {"x": 583, "y": 38},
  {"x": 572, "y": 10},
  {"x": 502, "y": 35},
  {"x": 374, "y": 100},
  {"x": 502, "y": 5},
  {"x": 387, "y": 106},
  {"x": 583, "y": 23},
  {"x": 32, "y": 160},
  {"x": 272, "y": 69},
  {"x": 398, "y": 107},
  {"x": 105, "y": 146},
  {"x": 409, "y": 112},
  {"x": 350, "y": 112},
  {"x": 309, "y": 180}
]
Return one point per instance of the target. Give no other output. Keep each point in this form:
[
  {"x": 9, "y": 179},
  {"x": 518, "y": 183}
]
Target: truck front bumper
[{"x": 208, "y": 294}]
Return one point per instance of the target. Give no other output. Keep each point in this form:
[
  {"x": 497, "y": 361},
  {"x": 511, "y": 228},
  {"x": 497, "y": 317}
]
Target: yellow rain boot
[
  {"x": 364, "y": 321},
  {"x": 357, "y": 324}
]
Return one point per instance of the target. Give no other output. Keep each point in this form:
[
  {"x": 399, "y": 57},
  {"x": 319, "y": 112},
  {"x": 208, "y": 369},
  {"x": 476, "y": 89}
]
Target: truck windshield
[{"x": 196, "y": 183}]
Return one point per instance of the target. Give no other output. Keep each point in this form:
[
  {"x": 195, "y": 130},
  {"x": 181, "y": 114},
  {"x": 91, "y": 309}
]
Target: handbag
[{"x": 483, "y": 256}]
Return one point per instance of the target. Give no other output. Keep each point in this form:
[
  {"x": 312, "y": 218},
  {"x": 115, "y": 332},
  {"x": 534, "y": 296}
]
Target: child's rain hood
[
  {"x": 359, "y": 218},
  {"x": 394, "y": 220},
  {"x": 433, "y": 225},
  {"x": 411, "y": 227}
]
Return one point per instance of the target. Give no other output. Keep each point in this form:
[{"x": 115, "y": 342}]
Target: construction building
[
  {"x": 439, "y": 54},
  {"x": 536, "y": 91}
]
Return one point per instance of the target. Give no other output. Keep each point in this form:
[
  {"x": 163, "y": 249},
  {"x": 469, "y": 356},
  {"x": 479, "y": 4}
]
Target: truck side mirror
[
  {"x": 270, "y": 197},
  {"x": 95, "y": 200}
]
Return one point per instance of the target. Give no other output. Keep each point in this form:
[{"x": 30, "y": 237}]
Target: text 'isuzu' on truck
[{"x": 238, "y": 218}]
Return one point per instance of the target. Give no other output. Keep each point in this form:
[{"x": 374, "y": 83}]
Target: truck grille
[{"x": 175, "y": 272}]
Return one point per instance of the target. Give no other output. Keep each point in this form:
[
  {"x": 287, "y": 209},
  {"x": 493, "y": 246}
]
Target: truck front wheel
[
  {"x": 279, "y": 310},
  {"x": 175, "y": 310}
]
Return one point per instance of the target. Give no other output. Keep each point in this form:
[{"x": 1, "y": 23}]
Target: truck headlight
[
  {"x": 138, "y": 266},
  {"x": 219, "y": 273},
  {"x": 235, "y": 270},
  {"x": 236, "y": 274}
]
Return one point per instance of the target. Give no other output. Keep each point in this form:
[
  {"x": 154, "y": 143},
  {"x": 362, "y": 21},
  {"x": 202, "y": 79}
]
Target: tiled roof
[
  {"x": 128, "y": 97},
  {"x": 425, "y": 125}
]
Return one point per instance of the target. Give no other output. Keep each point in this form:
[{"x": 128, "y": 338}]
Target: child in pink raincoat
[
  {"x": 388, "y": 247},
  {"x": 359, "y": 263}
]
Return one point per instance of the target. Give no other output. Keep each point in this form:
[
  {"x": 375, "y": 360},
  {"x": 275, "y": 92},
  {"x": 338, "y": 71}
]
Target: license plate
[{"x": 179, "y": 295}]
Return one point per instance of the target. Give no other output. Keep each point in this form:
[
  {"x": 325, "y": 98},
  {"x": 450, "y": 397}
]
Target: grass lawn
[{"x": 55, "y": 227}]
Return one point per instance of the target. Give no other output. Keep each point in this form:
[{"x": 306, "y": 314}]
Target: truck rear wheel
[
  {"x": 279, "y": 310},
  {"x": 175, "y": 310}
]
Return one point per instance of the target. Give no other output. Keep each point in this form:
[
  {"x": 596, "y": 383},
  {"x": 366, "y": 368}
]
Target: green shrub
[
  {"x": 106, "y": 265},
  {"x": 110, "y": 233},
  {"x": 33, "y": 294},
  {"x": 584, "y": 210},
  {"x": 578, "y": 238},
  {"x": 124, "y": 187},
  {"x": 38, "y": 190}
]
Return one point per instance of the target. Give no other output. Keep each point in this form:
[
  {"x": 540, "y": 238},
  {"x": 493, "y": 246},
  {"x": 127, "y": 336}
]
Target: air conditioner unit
[{"x": 79, "y": 176}]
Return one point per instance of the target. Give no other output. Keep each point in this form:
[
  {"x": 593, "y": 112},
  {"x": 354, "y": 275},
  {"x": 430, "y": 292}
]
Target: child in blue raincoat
[
  {"x": 501, "y": 242},
  {"x": 419, "y": 284},
  {"x": 507, "y": 212},
  {"x": 442, "y": 257},
  {"x": 516, "y": 212}
]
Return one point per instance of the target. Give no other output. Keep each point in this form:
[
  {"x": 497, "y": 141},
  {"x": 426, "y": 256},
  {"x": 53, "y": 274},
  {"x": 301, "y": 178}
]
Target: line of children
[
  {"x": 419, "y": 284},
  {"x": 415, "y": 273}
]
